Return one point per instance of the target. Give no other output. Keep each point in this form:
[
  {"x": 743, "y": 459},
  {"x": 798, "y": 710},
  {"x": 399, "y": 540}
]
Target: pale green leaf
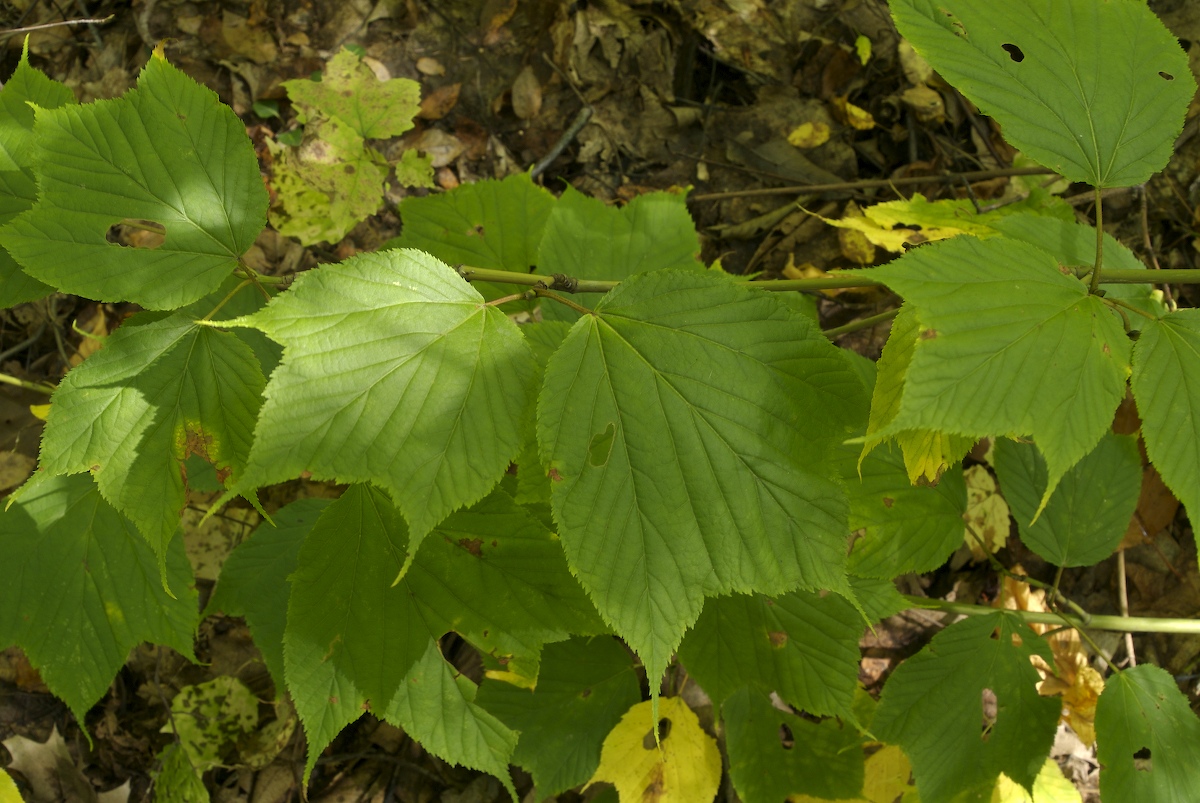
[
  {"x": 1008, "y": 345},
  {"x": 177, "y": 781},
  {"x": 437, "y": 707},
  {"x": 906, "y": 527},
  {"x": 587, "y": 239},
  {"x": 350, "y": 92},
  {"x": 1147, "y": 738},
  {"x": 584, "y": 687},
  {"x": 79, "y": 588},
  {"x": 490, "y": 224},
  {"x": 802, "y": 646},
  {"x": 168, "y": 152},
  {"x": 490, "y": 573},
  {"x": 18, "y": 190},
  {"x": 878, "y": 598},
  {"x": 824, "y": 760},
  {"x": 688, "y": 427},
  {"x": 394, "y": 372},
  {"x": 209, "y": 717},
  {"x": 1088, "y": 513},
  {"x": 255, "y": 583},
  {"x": 1097, "y": 91},
  {"x": 1166, "y": 385},
  {"x": 932, "y": 707},
  {"x": 414, "y": 170},
  {"x": 161, "y": 389}
]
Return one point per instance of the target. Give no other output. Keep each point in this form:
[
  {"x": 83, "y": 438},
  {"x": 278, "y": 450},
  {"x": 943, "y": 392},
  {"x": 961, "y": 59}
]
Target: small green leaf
[
  {"x": 160, "y": 390},
  {"x": 934, "y": 703},
  {"x": 177, "y": 781},
  {"x": 1097, "y": 91},
  {"x": 802, "y": 646},
  {"x": 414, "y": 170},
  {"x": 393, "y": 372},
  {"x": 1088, "y": 513},
  {"x": 79, "y": 588},
  {"x": 767, "y": 763},
  {"x": 350, "y": 92},
  {"x": 437, "y": 707},
  {"x": 588, "y": 239},
  {"x": 1008, "y": 345},
  {"x": 584, "y": 687},
  {"x": 168, "y": 152},
  {"x": 1147, "y": 738},
  {"x": 490, "y": 573},
  {"x": 255, "y": 583},
  {"x": 726, "y": 407},
  {"x": 1166, "y": 385},
  {"x": 490, "y": 224}
]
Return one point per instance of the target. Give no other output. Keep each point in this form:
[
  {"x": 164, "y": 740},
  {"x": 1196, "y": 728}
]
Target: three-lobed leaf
[
  {"x": 1097, "y": 91},
  {"x": 79, "y": 588},
  {"x": 688, "y": 427},
  {"x": 394, "y": 372},
  {"x": 168, "y": 153}
]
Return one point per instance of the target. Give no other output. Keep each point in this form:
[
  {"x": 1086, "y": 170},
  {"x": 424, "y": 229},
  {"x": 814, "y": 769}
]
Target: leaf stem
[
  {"x": 544, "y": 293},
  {"x": 861, "y": 323},
  {"x": 1122, "y": 304},
  {"x": 39, "y": 387},
  {"x": 1099, "y": 242},
  {"x": 226, "y": 299},
  {"x": 1118, "y": 624}
]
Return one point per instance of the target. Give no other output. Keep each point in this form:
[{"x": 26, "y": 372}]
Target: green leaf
[
  {"x": 1095, "y": 91},
  {"x": 724, "y": 407},
  {"x": 495, "y": 576},
  {"x": 414, "y": 170},
  {"x": 1166, "y": 386},
  {"x": 209, "y": 717},
  {"x": 931, "y": 706},
  {"x": 328, "y": 185},
  {"x": 1147, "y": 738},
  {"x": 168, "y": 152},
  {"x": 584, "y": 687},
  {"x": 161, "y": 389},
  {"x": 393, "y": 372},
  {"x": 18, "y": 190},
  {"x": 437, "y": 707},
  {"x": 178, "y": 781},
  {"x": 1073, "y": 243},
  {"x": 1008, "y": 345},
  {"x": 588, "y": 239},
  {"x": 906, "y": 527},
  {"x": 255, "y": 583},
  {"x": 801, "y": 645},
  {"x": 533, "y": 486},
  {"x": 350, "y": 92},
  {"x": 879, "y": 598},
  {"x": 824, "y": 760},
  {"x": 79, "y": 588},
  {"x": 1088, "y": 513},
  {"x": 496, "y": 225}
]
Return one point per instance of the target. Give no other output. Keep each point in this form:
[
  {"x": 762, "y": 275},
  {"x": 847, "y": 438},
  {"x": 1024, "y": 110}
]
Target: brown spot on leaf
[
  {"x": 586, "y": 693},
  {"x": 472, "y": 545},
  {"x": 366, "y": 705},
  {"x": 778, "y": 638},
  {"x": 929, "y": 334},
  {"x": 475, "y": 231},
  {"x": 888, "y": 501},
  {"x": 554, "y": 475}
]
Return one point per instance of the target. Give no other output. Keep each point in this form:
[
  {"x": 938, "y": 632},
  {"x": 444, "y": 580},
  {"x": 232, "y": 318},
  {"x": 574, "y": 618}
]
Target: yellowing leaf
[
  {"x": 856, "y": 247},
  {"x": 809, "y": 135},
  {"x": 987, "y": 514},
  {"x": 1049, "y": 787},
  {"x": 928, "y": 453},
  {"x": 41, "y": 411},
  {"x": 887, "y": 780},
  {"x": 8, "y": 789},
  {"x": 684, "y": 768},
  {"x": 852, "y": 115},
  {"x": 862, "y": 46}
]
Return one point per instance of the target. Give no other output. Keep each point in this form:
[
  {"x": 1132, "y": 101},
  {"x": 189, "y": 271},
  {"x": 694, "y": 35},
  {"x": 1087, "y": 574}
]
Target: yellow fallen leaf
[
  {"x": 852, "y": 115},
  {"x": 862, "y": 46},
  {"x": 684, "y": 768},
  {"x": 41, "y": 411},
  {"x": 856, "y": 246},
  {"x": 8, "y": 789},
  {"x": 987, "y": 514},
  {"x": 809, "y": 135}
]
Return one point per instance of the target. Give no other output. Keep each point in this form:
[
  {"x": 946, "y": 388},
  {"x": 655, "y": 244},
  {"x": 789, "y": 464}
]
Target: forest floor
[{"x": 750, "y": 103}]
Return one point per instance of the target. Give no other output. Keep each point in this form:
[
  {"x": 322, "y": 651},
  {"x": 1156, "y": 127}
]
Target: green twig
[
  {"x": 1117, "y": 624},
  {"x": 1099, "y": 242},
  {"x": 1122, "y": 304},
  {"x": 39, "y": 387},
  {"x": 544, "y": 293},
  {"x": 861, "y": 323}
]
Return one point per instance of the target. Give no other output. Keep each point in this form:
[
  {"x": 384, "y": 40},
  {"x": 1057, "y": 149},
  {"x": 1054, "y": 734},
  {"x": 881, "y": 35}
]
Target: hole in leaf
[
  {"x": 601, "y": 446},
  {"x": 136, "y": 233},
  {"x": 786, "y": 739},
  {"x": 664, "y": 730},
  {"x": 990, "y": 707},
  {"x": 1015, "y": 53},
  {"x": 1166, "y": 75},
  {"x": 1142, "y": 761}
]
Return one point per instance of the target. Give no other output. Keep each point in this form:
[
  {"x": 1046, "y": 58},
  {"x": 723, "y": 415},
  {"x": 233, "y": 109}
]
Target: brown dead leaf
[
  {"x": 526, "y": 94},
  {"x": 925, "y": 103},
  {"x": 50, "y": 770},
  {"x": 248, "y": 40},
  {"x": 438, "y": 103},
  {"x": 95, "y": 323},
  {"x": 15, "y": 468},
  {"x": 496, "y": 13},
  {"x": 430, "y": 66},
  {"x": 1156, "y": 509}
]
